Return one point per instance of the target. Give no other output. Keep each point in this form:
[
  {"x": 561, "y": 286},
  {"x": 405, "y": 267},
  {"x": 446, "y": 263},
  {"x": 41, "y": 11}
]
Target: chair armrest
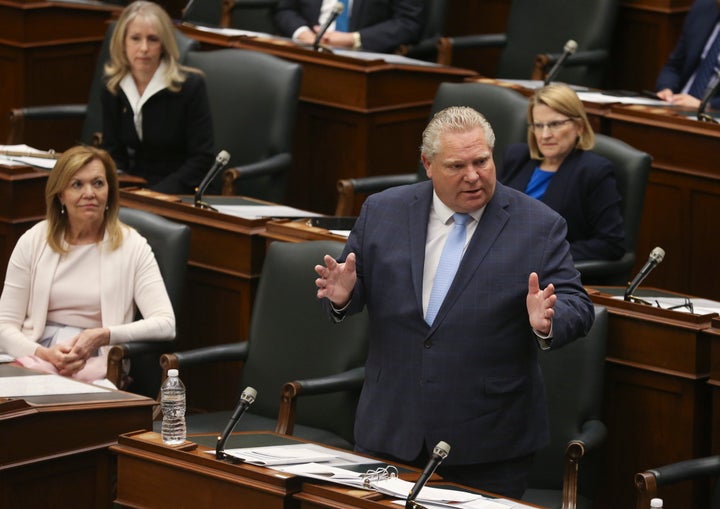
[
  {"x": 611, "y": 272},
  {"x": 427, "y": 49},
  {"x": 347, "y": 380},
  {"x": 53, "y": 112},
  {"x": 591, "y": 436},
  {"x": 122, "y": 351},
  {"x": 648, "y": 481},
  {"x": 446, "y": 45},
  {"x": 348, "y": 188},
  {"x": 277, "y": 164},
  {"x": 543, "y": 61},
  {"x": 216, "y": 353}
]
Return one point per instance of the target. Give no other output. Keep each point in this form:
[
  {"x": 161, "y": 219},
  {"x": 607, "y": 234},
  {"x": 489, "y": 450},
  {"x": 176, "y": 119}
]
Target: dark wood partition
[
  {"x": 48, "y": 52},
  {"x": 657, "y": 399}
]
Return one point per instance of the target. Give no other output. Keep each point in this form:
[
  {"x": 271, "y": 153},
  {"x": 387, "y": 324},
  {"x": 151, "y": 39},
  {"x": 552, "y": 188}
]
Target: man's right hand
[{"x": 337, "y": 280}]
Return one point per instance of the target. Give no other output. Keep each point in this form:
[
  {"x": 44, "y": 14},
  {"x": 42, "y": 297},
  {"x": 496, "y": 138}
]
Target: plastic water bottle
[
  {"x": 172, "y": 401},
  {"x": 656, "y": 503}
]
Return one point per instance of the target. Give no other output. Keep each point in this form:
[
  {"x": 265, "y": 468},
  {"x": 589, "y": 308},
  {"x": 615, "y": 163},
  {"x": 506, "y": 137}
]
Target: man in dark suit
[
  {"x": 470, "y": 375},
  {"x": 676, "y": 82},
  {"x": 373, "y": 25}
]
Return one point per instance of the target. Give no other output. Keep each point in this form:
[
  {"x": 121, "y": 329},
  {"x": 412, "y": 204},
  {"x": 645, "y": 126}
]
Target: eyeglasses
[
  {"x": 687, "y": 303},
  {"x": 553, "y": 126}
]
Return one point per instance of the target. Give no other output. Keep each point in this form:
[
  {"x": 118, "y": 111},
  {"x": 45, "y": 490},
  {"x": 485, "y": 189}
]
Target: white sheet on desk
[
  {"x": 43, "y": 385},
  {"x": 261, "y": 211},
  {"x": 40, "y": 162}
]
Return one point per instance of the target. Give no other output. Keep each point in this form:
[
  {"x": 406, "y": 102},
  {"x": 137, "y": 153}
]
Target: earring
[{"x": 62, "y": 208}]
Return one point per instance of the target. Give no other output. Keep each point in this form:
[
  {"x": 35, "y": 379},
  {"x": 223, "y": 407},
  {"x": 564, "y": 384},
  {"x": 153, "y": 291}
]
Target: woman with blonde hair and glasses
[
  {"x": 75, "y": 280},
  {"x": 557, "y": 167},
  {"x": 156, "y": 113}
]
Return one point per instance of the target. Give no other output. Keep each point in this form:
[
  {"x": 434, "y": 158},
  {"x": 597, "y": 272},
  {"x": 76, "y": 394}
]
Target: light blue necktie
[
  {"x": 448, "y": 265},
  {"x": 341, "y": 23},
  {"x": 705, "y": 69}
]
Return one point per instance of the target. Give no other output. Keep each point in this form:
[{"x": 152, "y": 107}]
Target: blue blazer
[
  {"x": 584, "y": 192},
  {"x": 383, "y": 24},
  {"x": 684, "y": 59},
  {"x": 472, "y": 379}
]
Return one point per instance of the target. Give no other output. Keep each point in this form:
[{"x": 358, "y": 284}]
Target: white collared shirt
[
  {"x": 157, "y": 83},
  {"x": 439, "y": 226}
]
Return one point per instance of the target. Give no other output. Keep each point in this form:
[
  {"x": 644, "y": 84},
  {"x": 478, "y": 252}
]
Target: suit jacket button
[{"x": 428, "y": 344}]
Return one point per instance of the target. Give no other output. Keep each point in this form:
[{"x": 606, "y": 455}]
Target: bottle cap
[
  {"x": 656, "y": 502},
  {"x": 172, "y": 372}
]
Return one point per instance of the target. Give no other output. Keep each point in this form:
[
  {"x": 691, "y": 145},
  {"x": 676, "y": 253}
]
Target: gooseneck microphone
[
  {"x": 710, "y": 91},
  {"x": 440, "y": 452},
  {"x": 220, "y": 161},
  {"x": 656, "y": 256},
  {"x": 569, "y": 48},
  {"x": 336, "y": 11},
  {"x": 246, "y": 399}
]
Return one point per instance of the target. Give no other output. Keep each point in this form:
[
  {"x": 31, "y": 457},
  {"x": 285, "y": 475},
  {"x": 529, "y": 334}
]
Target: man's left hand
[{"x": 540, "y": 305}]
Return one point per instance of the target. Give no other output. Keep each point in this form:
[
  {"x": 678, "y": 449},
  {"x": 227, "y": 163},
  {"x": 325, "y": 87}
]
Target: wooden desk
[
  {"x": 151, "y": 474},
  {"x": 22, "y": 204},
  {"x": 53, "y": 449},
  {"x": 225, "y": 261},
  {"x": 713, "y": 334},
  {"x": 356, "y": 117},
  {"x": 657, "y": 399},
  {"x": 48, "y": 52}
]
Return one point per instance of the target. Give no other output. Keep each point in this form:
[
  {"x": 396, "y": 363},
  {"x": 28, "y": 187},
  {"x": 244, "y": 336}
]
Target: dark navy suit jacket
[
  {"x": 383, "y": 24},
  {"x": 472, "y": 379},
  {"x": 584, "y": 192},
  {"x": 177, "y": 146},
  {"x": 685, "y": 57}
]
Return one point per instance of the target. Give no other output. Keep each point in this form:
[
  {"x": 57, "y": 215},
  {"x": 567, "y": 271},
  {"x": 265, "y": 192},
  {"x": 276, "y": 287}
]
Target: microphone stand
[
  {"x": 220, "y": 162},
  {"x": 709, "y": 94}
]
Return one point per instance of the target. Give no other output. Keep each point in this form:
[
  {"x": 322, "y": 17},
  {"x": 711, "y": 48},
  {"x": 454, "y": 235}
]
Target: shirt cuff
[
  {"x": 357, "y": 41},
  {"x": 299, "y": 31},
  {"x": 544, "y": 340},
  {"x": 338, "y": 314}
]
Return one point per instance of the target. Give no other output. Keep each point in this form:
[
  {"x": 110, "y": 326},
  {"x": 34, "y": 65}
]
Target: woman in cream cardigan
[{"x": 75, "y": 280}]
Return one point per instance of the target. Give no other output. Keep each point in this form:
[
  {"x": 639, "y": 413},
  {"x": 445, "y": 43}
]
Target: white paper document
[
  {"x": 279, "y": 455},
  {"x": 263, "y": 211},
  {"x": 598, "y": 97},
  {"x": 21, "y": 155},
  {"x": 43, "y": 385}
]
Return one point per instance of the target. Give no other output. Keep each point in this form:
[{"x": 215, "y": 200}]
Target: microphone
[
  {"x": 569, "y": 48},
  {"x": 710, "y": 91},
  {"x": 440, "y": 452},
  {"x": 656, "y": 256},
  {"x": 220, "y": 161},
  {"x": 246, "y": 399},
  {"x": 336, "y": 11}
]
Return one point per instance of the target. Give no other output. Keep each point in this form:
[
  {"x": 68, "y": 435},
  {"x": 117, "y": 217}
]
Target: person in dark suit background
[
  {"x": 156, "y": 114},
  {"x": 556, "y": 167},
  {"x": 469, "y": 375},
  {"x": 676, "y": 80},
  {"x": 373, "y": 25}
]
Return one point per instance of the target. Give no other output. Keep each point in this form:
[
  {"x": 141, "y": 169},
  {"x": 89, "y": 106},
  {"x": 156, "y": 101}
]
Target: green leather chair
[
  {"x": 291, "y": 338},
  {"x": 574, "y": 377},
  {"x": 170, "y": 242}
]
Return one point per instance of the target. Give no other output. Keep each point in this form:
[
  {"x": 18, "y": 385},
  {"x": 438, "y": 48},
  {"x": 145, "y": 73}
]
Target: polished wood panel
[
  {"x": 713, "y": 335},
  {"x": 356, "y": 117},
  {"x": 55, "y": 448},
  {"x": 645, "y": 34},
  {"x": 50, "y": 50},
  {"x": 657, "y": 400},
  {"x": 151, "y": 474},
  {"x": 683, "y": 194},
  {"x": 22, "y": 204}
]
